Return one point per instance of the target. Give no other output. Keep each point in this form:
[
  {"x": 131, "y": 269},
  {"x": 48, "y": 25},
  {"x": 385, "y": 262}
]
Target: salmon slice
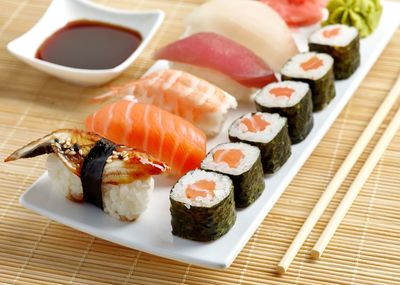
[
  {"x": 331, "y": 33},
  {"x": 219, "y": 53},
  {"x": 232, "y": 157},
  {"x": 312, "y": 63},
  {"x": 256, "y": 123},
  {"x": 282, "y": 91},
  {"x": 200, "y": 189},
  {"x": 165, "y": 136}
]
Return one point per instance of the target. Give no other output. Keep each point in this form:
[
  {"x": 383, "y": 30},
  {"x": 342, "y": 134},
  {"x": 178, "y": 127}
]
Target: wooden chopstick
[
  {"x": 356, "y": 186},
  {"x": 339, "y": 177}
]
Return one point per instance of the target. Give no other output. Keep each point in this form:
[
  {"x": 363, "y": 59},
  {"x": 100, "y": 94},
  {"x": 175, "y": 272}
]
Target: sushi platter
[{"x": 224, "y": 172}]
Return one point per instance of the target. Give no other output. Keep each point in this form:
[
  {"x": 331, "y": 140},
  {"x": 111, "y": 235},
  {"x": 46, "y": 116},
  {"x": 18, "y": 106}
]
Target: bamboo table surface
[{"x": 35, "y": 250}]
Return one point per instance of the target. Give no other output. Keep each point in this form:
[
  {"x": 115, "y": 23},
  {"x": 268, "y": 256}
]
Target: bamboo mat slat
[{"x": 35, "y": 250}]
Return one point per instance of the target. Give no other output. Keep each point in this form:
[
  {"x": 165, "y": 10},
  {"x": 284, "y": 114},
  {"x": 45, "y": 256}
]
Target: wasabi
[{"x": 361, "y": 14}]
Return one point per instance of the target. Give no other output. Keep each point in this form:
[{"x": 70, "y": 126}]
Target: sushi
[
  {"x": 85, "y": 167},
  {"x": 269, "y": 132},
  {"x": 182, "y": 94},
  {"x": 202, "y": 206},
  {"x": 342, "y": 43},
  {"x": 221, "y": 55},
  {"x": 249, "y": 23},
  {"x": 316, "y": 69},
  {"x": 166, "y": 137},
  {"x": 290, "y": 99},
  {"x": 242, "y": 163}
]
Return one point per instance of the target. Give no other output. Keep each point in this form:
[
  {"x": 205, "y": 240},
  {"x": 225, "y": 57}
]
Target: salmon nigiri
[
  {"x": 163, "y": 135},
  {"x": 182, "y": 94}
]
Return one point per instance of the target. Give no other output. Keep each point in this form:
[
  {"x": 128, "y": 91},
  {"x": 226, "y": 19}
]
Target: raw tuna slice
[
  {"x": 220, "y": 53},
  {"x": 298, "y": 13}
]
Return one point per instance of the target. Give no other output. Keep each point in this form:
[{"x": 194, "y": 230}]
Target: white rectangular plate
[{"x": 152, "y": 231}]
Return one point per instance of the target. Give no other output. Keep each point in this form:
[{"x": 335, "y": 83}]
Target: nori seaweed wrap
[
  {"x": 242, "y": 163},
  {"x": 268, "y": 132},
  {"x": 202, "y": 206},
  {"x": 292, "y": 100},
  {"x": 315, "y": 69},
  {"x": 343, "y": 44}
]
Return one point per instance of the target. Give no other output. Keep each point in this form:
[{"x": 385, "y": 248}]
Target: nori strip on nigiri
[{"x": 92, "y": 171}]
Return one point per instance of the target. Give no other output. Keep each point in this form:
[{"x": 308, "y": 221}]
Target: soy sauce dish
[{"x": 85, "y": 43}]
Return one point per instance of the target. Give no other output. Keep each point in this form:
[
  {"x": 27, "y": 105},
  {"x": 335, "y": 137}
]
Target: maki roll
[
  {"x": 269, "y": 132},
  {"x": 290, "y": 99},
  {"x": 342, "y": 42},
  {"x": 85, "y": 167},
  {"x": 202, "y": 206},
  {"x": 242, "y": 163},
  {"x": 316, "y": 69}
]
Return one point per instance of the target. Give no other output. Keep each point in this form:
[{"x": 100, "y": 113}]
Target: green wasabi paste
[{"x": 361, "y": 14}]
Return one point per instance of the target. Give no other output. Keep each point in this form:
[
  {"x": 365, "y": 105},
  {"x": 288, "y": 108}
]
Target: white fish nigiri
[
  {"x": 249, "y": 23},
  {"x": 182, "y": 94}
]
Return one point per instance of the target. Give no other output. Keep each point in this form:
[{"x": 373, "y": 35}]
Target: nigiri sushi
[
  {"x": 86, "y": 167},
  {"x": 249, "y": 23},
  {"x": 182, "y": 94},
  {"x": 218, "y": 53},
  {"x": 163, "y": 135}
]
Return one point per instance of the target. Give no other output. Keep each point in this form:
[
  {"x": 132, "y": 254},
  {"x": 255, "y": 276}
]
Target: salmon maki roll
[
  {"x": 163, "y": 135},
  {"x": 315, "y": 69},
  {"x": 242, "y": 163},
  {"x": 342, "y": 43},
  {"x": 268, "y": 132},
  {"x": 290, "y": 99},
  {"x": 202, "y": 206}
]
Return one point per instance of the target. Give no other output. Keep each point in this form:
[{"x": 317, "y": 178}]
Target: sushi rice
[
  {"x": 340, "y": 35},
  {"x": 240, "y": 130},
  {"x": 293, "y": 67},
  {"x": 265, "y": 96},
  {"x": 222, "y": 188}
]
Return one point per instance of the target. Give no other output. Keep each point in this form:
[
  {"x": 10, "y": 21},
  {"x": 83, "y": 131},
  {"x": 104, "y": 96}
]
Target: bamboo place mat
[{"x": 35, "y": 250}]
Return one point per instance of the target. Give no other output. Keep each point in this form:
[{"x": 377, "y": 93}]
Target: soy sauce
[{"x": 89, "y": 45}]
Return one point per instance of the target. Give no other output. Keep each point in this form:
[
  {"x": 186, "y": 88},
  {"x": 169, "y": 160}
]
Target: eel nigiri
[
  {"x": 249, "y": 23},
  {"x": 86, "y": 167},
  {"x": 220, "y": 53},
  {"x": 163, "y": 135},
  {"x": 182, "y": 94}
]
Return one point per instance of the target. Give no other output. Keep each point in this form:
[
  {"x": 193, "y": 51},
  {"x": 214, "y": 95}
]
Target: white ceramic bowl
[{"x": 59, "y": 13}]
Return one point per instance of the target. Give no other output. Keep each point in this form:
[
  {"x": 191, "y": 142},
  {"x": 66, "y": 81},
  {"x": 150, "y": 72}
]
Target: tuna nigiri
[
  {"x": 182, "y": 94},
  {"x": 249, "y": 23},
  {"x": 163, "y": 135},
  {"x": 222, "y": 54}
]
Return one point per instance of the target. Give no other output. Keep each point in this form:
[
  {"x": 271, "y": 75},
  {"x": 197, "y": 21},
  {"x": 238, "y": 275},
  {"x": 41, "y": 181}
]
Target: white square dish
[
  {"x": 59, "y": 13},
  {"x": 152, "y": 231}
]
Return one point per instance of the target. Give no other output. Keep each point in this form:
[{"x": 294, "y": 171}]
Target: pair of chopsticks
[{"x": 341, "y": 175}]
